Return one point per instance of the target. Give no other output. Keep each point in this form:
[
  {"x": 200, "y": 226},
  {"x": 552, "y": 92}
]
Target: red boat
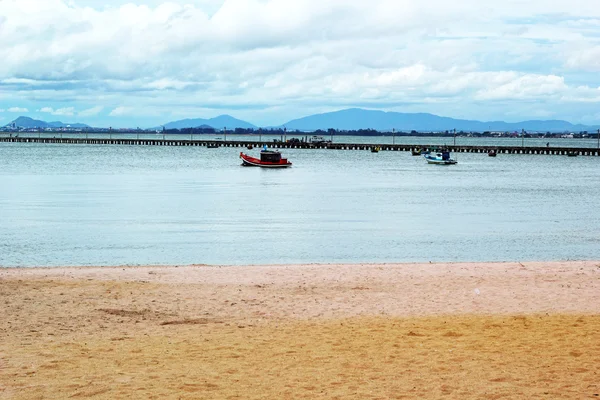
[{"x": 268, "y": 159}]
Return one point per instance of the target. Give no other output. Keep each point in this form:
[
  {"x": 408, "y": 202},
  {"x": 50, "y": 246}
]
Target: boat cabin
[{"x": 270, "y": 156}]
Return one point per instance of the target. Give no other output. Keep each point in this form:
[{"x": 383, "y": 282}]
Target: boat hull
[{"x": 441, "y": 162}]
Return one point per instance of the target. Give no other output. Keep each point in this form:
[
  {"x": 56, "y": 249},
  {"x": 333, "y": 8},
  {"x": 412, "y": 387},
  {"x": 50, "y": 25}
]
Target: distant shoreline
[
  {"x": 445, "y": 264},
  {"x": 297, "y": 133}
]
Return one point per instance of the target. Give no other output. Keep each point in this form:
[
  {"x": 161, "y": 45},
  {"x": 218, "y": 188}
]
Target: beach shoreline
[
  {"x": 301, "y": 331},
  {"x": 353, "y": 289}
]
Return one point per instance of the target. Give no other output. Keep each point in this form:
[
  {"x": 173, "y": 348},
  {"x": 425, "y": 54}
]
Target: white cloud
[
  {"x": 17, "y": 110},
  {"x": 90, "y": 111},
  {"x": 289, "y": 58},
  {"x": 524, "y": 87},
  {"x": 120, "y": 111},
  {"x": 67, "y": 111},
  {"x": 586, "y": 58}
]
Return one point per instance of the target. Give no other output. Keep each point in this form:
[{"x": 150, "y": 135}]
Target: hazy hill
[
  {"x": 58, "y": 124},
  {"x": 219, "y": 122},
  {"x": 355, "y": 118},
  {"x": 26, "y": 122}
]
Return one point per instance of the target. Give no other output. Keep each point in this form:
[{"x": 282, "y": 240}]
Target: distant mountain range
[
  {"x": 355, "y": 119},
  {"x": 220, "y": 122},
  {"x": 26, "y": 122}
]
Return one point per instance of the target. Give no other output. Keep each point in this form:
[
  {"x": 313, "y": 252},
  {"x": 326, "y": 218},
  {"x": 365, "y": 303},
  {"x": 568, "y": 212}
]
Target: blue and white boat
[{"x": 442, "y": 158}]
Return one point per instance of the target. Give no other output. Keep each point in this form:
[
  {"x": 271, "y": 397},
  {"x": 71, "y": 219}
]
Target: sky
[{"x": 147, "y": 62}]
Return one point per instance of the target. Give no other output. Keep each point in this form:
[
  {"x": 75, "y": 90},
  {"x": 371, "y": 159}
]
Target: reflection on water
[{"x": 106, "y": 205}]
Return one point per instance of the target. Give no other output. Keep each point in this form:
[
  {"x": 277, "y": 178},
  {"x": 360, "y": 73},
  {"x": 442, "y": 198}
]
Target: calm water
[{"x": 107, "y": 205}]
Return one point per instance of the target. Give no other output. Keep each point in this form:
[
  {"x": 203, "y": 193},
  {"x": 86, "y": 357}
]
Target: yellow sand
[{"x": 76, "y": 336}]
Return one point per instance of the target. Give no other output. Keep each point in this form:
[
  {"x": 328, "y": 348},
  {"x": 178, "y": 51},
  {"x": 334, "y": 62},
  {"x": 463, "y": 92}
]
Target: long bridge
[{"x": 583, "y": 151}]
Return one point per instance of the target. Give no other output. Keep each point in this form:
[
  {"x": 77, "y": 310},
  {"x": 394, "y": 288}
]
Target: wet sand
[{"x": 406, "y": 331}]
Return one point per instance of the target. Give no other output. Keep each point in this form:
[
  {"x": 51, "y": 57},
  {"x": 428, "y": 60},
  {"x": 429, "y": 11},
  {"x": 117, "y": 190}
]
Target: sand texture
[{"x": 385, "y": 331}]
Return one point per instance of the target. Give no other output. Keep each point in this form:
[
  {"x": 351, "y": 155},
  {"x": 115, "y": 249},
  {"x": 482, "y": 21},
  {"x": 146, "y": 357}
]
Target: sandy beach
[{"x": 403, "y": 331}]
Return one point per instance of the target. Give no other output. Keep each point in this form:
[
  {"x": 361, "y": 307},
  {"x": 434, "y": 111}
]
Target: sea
[{"x": 81, "y": 205}]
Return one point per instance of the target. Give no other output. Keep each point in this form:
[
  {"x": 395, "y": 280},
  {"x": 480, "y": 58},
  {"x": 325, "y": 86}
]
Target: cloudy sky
[{"x": 147, "y": 62}]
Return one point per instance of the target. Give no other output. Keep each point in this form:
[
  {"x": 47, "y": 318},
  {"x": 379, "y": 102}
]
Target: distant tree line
[{"x": 283, "y": 131}]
